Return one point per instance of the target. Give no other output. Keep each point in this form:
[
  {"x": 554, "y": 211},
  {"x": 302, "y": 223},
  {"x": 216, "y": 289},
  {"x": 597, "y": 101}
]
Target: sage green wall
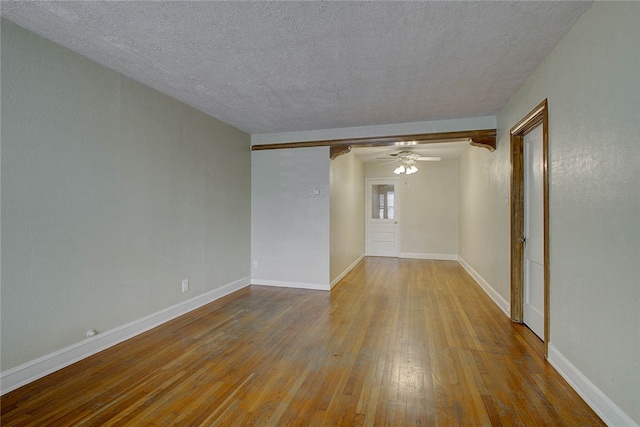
[
  {"x": 112, "y": 193},
  {"x": 484, "y": 222},
  {"x": 592, "y": 82},
  {"x": 346, "y": 184},
  {"x": 289, "y": 223}
]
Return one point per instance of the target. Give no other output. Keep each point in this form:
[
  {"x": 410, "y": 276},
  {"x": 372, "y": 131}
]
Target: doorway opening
[{"x": 521, "y": 217}]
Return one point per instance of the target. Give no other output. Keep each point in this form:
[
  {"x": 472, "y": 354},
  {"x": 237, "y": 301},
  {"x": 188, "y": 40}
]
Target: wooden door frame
[{"x": 538, "y": 116}]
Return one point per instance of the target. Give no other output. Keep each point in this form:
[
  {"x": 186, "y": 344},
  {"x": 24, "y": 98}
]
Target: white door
[
  {"x": 382, "y": 210},
  {"x": 534, "y": 232}
]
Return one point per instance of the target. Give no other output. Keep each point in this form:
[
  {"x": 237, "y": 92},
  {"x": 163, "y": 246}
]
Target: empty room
[{"x": 320, "y": 213}]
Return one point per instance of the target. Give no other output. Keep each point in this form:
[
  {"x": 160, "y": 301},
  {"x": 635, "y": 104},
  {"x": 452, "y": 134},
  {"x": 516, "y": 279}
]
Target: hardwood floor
[{"x": 397, "y": 342}]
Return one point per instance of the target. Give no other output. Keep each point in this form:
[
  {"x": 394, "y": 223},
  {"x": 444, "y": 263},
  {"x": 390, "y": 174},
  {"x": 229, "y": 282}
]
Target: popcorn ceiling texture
[{"x": 289, "y": 66}]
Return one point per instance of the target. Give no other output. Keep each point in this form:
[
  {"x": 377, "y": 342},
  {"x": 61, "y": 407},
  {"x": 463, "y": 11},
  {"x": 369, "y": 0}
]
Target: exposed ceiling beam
[{"x": 485, "y": 138}]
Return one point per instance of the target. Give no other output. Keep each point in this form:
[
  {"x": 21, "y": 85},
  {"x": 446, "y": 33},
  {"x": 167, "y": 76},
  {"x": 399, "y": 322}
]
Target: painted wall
[
  {"x": 346, "y": 213},
  {"x": 290, "y": 217},
  {"x": 484, "y": 223},
  {"x": 112, "y": 193},
  {"x": 429, "y": 208},
  {"x": 592, "y": 82}
]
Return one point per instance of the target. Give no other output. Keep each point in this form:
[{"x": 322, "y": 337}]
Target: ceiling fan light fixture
[
  {"x": 400, "y": 169},
  {"x": 411, "y": 169}
]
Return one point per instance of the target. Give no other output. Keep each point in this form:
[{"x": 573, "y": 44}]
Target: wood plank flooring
[{"x": 397, "y": 342}]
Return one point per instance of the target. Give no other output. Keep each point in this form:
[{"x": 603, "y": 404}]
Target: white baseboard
[
  {"x": 493, "y": 294},
  {"x": 14, "y": 378},
  {"x": 346, "y": 271},
  {"x": 282, "y": 284},
  {"x": 610, "y": 413},
  {"x": 442, "y": 257}
]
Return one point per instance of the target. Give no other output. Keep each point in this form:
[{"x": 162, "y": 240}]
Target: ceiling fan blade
[
  {"x": 387, "y": 162},
  {"x": 429, "y": 159}
]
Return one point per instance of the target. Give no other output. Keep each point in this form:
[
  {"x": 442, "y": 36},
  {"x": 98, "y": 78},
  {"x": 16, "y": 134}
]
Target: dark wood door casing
[{"x": 538, "y": 116}]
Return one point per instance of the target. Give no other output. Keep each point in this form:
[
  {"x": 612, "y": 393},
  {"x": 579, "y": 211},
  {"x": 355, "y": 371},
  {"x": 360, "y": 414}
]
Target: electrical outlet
[
  {"x": 185, "y": 285},
  {"x": 255, "y": 264}
]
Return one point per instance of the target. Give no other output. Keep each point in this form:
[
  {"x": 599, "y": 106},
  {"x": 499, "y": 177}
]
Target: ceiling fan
[{"x": 408, "y": 159}]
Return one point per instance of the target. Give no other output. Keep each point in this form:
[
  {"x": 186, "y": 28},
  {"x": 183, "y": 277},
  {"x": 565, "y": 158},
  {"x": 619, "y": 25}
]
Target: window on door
[{"x": 383, "y": 203}]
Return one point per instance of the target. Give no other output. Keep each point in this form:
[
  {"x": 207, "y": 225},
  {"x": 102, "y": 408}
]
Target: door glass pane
[{"x": 383, "y": 203}]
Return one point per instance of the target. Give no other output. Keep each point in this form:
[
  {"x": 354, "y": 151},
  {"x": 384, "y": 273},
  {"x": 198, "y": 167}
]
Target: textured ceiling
[{"x": 288, "y": 66}]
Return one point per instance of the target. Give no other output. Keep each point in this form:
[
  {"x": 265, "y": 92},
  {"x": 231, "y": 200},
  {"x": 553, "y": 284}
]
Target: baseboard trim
[
  {"x": 19, "y": 376},
  {"x": 417, "y": 255},
  {"x": 489, "y": 290},
  {"x": 346, "y": 271},
  {"x": 610, "y": 413},
  {"x": 282, "y": 284}
]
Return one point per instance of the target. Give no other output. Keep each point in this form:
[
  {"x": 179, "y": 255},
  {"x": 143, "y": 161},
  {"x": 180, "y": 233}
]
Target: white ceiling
[{"x": 290, "y": 66}]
